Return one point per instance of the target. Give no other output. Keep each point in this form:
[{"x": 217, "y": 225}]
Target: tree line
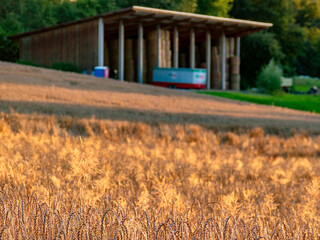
[{"x": 293, "y": 42}]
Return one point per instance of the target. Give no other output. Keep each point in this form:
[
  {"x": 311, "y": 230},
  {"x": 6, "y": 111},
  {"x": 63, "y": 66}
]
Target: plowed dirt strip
[{"x": 29, "y": 89}]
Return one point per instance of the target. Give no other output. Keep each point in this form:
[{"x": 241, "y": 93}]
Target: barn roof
[{"x": 149, "y": 17}]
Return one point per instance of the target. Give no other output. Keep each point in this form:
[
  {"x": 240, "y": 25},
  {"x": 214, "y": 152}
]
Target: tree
[
  {"x": 10, "y": 6},
  {"x": 307, "y": 12},
  {"x": 256, "y": 51},
  {"x": 65, "y": 12},
  {"x": 278, "y": 12},
  {"x": 87, "y": 8},
  {"x": 10, "y": 24},
  {"x": 8, "y": 50},
  {"x": 187, "y": 6},
  {"x": 163, "y": 4},
  {"x": 308, "y": 60},
  {"x": 106, "y": 6},
  {"x": 289, "y": 35},
  {"x": 218, "y": 8},
  {"x": 36, "y": 14}
]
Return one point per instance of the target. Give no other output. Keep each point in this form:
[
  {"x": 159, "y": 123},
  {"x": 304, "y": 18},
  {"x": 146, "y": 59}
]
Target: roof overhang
[{"x": 150, "y": 17}]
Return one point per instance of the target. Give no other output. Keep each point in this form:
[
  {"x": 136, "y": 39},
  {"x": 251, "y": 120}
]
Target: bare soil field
[{"x": 27, "y": 89}]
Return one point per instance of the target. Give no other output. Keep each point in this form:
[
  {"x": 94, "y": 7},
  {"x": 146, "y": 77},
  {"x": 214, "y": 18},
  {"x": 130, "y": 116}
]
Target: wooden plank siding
[{"x": 77, "y": 44}]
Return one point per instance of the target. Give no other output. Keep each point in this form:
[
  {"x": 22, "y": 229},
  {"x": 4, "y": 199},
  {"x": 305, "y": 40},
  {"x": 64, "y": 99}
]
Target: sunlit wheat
[{"x": 66, "y": 178}]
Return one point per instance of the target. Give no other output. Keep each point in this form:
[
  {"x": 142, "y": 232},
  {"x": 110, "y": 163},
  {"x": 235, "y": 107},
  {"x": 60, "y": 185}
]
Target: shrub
[
  {"x": 29, "y": 63},
  {"x": 9, "y": 51},
  {"x": 63, "y": 66},
  {"x": 269, "y": 79}
]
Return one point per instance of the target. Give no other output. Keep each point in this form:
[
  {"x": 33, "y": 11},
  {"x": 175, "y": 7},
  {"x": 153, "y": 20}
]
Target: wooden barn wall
[{"x": 77, "y": 44}]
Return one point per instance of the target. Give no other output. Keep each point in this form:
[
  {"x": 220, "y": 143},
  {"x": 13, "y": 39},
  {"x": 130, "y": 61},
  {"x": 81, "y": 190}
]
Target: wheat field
[
  {"x": 86, "y": 158},
  {"x": 69, "y": 178}
]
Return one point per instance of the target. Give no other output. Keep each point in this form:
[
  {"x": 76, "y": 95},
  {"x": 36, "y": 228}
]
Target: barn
[{"x": 135, "y": 40}]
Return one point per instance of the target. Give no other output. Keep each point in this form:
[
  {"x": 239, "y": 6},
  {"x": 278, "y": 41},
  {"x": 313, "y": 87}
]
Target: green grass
[
  {"x": 309, "y": 103},
  {"x": 300, "y": 88},
  {"x": 304, "y": 84}
]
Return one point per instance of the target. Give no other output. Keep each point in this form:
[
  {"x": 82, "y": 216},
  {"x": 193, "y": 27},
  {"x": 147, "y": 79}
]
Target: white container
[{"x": 180, "y": 77}]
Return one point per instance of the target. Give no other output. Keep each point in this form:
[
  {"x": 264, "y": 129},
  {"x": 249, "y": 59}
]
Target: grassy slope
[{"x": 309, "y": 103}]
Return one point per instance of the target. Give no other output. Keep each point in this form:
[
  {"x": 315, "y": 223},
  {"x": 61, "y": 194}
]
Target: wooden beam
[
  {"x": 157, "y": 21},
  {"x": 140, "y": 18},
  {"x": 208, "y": 58},
  {"x": 129, "y": 21},
  {"x": 133, "y": 26},
  {"x": 223, "y": 61},
  {"x": 201, "y": 17},
  {"x": 186, "y": 34},
  {"x": 175, "y": 23},
  {"x": 237, "y": 48},
  {"x": 191, "y": 25},
  {"x": 133, "y": 11},
  {"x": 192, "y": 48},
  {"x": 241, "y": 30},
  {"x": 131, "y": 32},
  {"x": 159, "y": 64},
  {"x": 175, "y": 47},
  {"x": 140, "y": 53}
]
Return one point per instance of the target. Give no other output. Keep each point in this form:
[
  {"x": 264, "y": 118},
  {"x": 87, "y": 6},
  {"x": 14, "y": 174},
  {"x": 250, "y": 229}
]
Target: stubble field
[{"x": 158, "y": 170}]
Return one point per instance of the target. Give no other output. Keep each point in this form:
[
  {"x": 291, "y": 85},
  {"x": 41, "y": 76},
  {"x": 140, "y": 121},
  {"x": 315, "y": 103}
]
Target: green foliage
[
  {"x": 87, "y": 8},
  {"x": 36, "y": 15},
  {"x": 269, "y": 80},
  {"x": 292, "y": 43},
  {"x": 163, "y": 4},
  {"x": 298, "y": 102},
  {"x": 308, "y": 59},
  {"x": 308, "y": 12},
  {"x": 9, "y": 51},
  {"x": 218, "y": 8},
  {"x": 281, "y": 14},
  {"x": 65, "y": 12},
  {"x": 278, "y": 12},
  {"x": 106, "y": 5},
  {"x": 10, "y": 25},
  {"x": 29, "y": 63},
  {"x": 294, "y": 40},
  {"x": 187, "y": 6},
  {"x": 303, "y": 84},
  {"x": 257, "y": 50},
  {"x": 68, "y": 67},
  {"x": 296, "y": 29}
]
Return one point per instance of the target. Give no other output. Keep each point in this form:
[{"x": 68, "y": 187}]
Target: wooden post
[
  {"x": 101, "y": 42},
  {"x": 237, "y": 48},
  {"x": 223, "y": 60},
  {"x": 192, "y": 48},
  {"x": 159, "y": 64},
  {"x": 140, "y": 53},
  {"x": 121, "y": 50},
  {"x": 175, "y": 47},
  {"x": 208, "y": 60}
]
